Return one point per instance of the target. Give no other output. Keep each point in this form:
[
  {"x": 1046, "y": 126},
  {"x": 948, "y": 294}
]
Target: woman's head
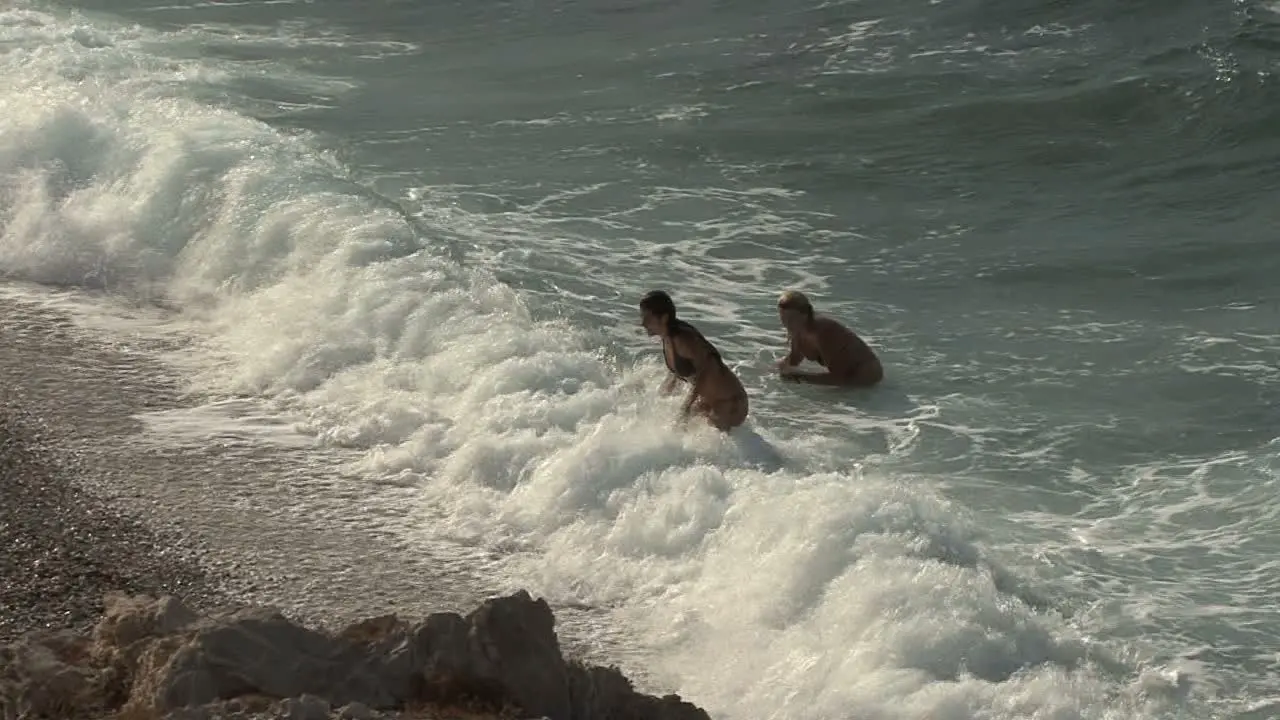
[
  {"x": 657, "y": 312},
  {"x": 794, "y": 309}
]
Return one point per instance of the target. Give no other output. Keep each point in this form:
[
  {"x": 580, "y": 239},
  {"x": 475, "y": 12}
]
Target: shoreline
[
  {"x": 231, "y": 505},
  {"x": 89, "y": 512},
  {"x": 66, "y": 542},
  {"x": 65, "y": 547}
]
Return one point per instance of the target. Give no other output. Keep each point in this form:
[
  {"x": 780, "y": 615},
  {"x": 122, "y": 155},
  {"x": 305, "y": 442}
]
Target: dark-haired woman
[{"x": 714, "y": 390}]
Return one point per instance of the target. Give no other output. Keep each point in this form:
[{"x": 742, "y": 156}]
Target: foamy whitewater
[{"x": 417, "y": 235}]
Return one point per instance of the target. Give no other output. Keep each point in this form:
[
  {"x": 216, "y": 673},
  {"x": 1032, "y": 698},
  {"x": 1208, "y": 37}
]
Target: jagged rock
[
  {"x": 514, "y": 643},
  {"x": 356, "y": 711},
  {"x": 127, "y": 620},
  {"x": 505, "y": 651},
  {"x": 373, "y": 630},
  {"x": 42, "y": 676},
  {"x": 155, "y": 658},
  {"x": 133, "y": 629},
  {"x": 190, "y": 713},
  {"x": 600, "y": 692},
  {"x": 307, "y": 707},
  {"x": 255, "y": 651},
  {"x": 246, "y": 708}
]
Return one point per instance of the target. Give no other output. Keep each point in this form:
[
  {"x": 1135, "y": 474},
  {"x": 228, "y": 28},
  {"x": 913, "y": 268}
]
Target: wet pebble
[{"x": 61, "y": 547}]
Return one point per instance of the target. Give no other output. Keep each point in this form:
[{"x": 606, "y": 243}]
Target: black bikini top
[{"x": 680, "y": 365}]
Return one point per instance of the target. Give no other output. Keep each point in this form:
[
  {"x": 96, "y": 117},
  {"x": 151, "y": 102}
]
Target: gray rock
[
  {"x": 600, "y": 692},
  {"x": 129, "y": 620},
  {"x": 191, "y": 713},
  {"x": 172, "y": 616},
  {"x": 505, "y": 651},
  {"x": 39, "y": 679},
  {"x": 259, "y": 651},
  {"x": 356, "y": 711},
  {"x": 437, "y": 646},
  {"x": 514, "y": 645},
  {"x": 307, "y": 707},
  {"x": 157, "y": 659}
]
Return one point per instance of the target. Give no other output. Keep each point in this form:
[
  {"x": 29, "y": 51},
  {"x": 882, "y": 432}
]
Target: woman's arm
[
  {"x": 793, "y": 357},
  {"x": 841, "y": 361}
]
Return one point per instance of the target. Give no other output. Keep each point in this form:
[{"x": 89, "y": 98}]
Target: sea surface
[{"x": 415, "y": 234}]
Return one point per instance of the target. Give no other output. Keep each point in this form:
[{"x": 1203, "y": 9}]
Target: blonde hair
[{"x": 795, "y": 300}]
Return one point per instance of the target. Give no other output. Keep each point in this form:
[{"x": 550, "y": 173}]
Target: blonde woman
[{"x": 849, "y": 361}]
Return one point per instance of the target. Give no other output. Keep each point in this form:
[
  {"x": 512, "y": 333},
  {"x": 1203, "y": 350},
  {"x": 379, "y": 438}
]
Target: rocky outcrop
[{"x": 154, "y": 658}]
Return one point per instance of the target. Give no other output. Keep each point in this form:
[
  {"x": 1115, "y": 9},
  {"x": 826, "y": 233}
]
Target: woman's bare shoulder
[
  {"x": 692, "y": 341},
  {"x": 830, "y": 326}
]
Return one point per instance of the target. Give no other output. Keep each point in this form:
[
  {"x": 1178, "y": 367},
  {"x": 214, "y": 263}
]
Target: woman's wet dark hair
[{"x": 658, "y": 302}]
